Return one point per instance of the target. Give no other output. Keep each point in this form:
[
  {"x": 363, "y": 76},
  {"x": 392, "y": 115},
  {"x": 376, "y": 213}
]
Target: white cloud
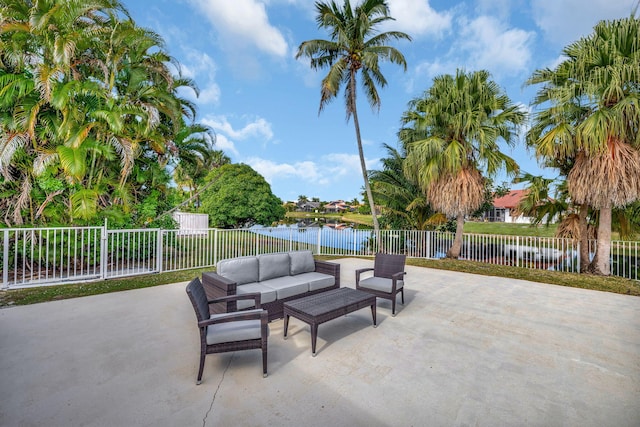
[
  {"x": 487, "y": 44},
  {"x": 209, "y": 95},
  {"x": 424, "y": 72},
  {"x": 241, "y": 22},
  {"x": 199, "y": 67},
  {"x": 331, "y": 169},
  {"x": 341, "y": 165},
  {"x": 225, "y": 144},
  {"x": 271, "y": 171},
  {"x": 417, "y": 18},
  {"x": 499, "y": 8},
  {"x": 565, "y": 21},
  {"x": 258, "y": 128}
]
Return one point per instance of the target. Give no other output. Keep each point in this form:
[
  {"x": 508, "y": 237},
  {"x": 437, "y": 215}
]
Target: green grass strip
[{"x": 57, "y": 292}]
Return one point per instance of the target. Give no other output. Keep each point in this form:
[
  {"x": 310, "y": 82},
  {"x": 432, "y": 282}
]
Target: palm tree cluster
[
  {"x": 587, "y": 128},
  {"x": 91, "y": 117}
]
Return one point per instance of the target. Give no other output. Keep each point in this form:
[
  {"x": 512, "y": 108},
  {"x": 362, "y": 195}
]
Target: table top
[{"x": 325, "y": 302}]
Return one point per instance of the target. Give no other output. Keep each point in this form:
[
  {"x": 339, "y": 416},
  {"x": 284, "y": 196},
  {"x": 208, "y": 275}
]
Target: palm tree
[
  {"x": 355, "y": 47},
  {"x": 600, "y": 74},
  {"x": 452, "y": 134},
  {"x": 403, "y": 203}
]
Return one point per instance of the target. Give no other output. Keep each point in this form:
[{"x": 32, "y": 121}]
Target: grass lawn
[
  {"x": 345, "y": 217},
  {"x": 509, "y": 229}
]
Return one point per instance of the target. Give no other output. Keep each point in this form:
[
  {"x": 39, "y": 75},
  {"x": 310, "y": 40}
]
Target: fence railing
[{"x": 47, "y": 256}]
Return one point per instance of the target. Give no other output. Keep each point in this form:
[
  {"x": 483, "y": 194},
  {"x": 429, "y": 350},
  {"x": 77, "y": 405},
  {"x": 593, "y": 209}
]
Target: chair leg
[
  {"x": 393, "y": 306},
  {"x": 264, "y": 362},
  {"x": 199, "y": 380},
  {"x": 402, "y": 292}
]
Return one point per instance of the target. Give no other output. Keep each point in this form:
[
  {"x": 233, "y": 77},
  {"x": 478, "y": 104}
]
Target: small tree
[{"x": 240, "y": 197}]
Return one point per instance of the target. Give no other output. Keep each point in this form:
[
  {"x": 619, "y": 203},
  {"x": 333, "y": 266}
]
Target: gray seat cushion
[
  {"x": 267, "y": 294},
  {"x": 241, "y": 330},
  {"x": 302, "y": 262},
  {"x": 241, "y": 270},
  {"x": 317, "y": 280},
  {"x": 287, "y": 286},
  {"x": 273, "y": 265},
  {"x": 380, "y": 284}
]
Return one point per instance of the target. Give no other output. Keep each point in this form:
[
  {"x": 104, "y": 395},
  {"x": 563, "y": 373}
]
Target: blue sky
[{"x": 263, "y": 103}]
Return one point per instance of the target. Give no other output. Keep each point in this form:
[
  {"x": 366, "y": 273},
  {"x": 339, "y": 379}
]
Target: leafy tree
[
  {"x": 239, "y": 197},
  {"x": 356, "y": 46},
  {"x": 452, "y": 134},
  {"x": 600, "y": 75}
]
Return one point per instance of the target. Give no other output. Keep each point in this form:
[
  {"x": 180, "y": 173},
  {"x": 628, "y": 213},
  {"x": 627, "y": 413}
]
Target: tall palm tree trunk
[
  {"x": 454, "y": 250},
  {"x": 601, "y": 263},
  {"x": 584, "y": 238},
  {"x": 363, "y": 166}
]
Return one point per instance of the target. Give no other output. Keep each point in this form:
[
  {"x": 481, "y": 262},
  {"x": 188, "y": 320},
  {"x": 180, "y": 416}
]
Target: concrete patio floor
[{"x": 464, "y": 350}]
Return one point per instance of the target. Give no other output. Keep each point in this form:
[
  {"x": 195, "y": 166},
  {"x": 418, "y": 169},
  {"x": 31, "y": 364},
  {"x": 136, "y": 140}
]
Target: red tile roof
[{"x": 510, "y": 200}]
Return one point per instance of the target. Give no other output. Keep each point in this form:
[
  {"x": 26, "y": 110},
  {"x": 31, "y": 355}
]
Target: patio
[{"x": 463, "y": 350}]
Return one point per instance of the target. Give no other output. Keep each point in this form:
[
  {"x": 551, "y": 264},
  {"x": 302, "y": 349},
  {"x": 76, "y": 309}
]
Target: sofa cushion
[
  {"x": 241, "y": 270},
  {"x": 287, "y": 286},
  {"x": 317, "y": 280},
  {"x": 233, "y": 331},
  {"x": 267, "y": 294},
  {"x": 302, "y": 262},
  {"x": 272, "y": 265},
  {"x": 380, "y": 284}
]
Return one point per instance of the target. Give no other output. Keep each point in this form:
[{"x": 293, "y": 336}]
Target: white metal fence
[{"x": 47, "y": 256}]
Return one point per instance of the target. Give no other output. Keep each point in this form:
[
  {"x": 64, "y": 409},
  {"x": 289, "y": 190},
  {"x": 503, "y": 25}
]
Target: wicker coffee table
[{"x": 325, "y": 306}]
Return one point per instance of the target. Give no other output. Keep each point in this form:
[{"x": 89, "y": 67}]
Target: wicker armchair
[
  {"x": 387, "y": 280},
  {"x": 224, "y": 332}
]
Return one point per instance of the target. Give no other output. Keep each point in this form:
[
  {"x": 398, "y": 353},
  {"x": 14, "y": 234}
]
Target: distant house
[
  {"x": 337, "y": 206},
  {"x": 505, "y": 208},
  {"x": 308, "y": 206}
]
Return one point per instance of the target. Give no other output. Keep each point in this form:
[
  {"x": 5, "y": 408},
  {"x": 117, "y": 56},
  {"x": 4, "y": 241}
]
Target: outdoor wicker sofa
[{"x": 278, "y": 277}]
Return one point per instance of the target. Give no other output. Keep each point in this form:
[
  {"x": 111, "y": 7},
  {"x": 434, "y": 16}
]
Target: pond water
[{"x": 320, "y": 221}]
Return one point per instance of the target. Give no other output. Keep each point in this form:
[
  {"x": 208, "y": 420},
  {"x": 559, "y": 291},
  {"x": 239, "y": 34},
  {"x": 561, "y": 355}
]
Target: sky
[{"x": 263, "y": 104}]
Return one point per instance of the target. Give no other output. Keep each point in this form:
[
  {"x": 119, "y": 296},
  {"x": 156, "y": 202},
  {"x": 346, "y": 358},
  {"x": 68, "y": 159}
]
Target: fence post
[
  {"x": 290, "y": 239},
  {"x": 5, "y": 261},
  {"x": 427, "y": 246},
  {"x": 215, "y": 246},
  {"x": 319, "y": 240},
  {"x": 355, "y": 241},
  {"x": 159, "y": 255},
  {"x": 104, "y": 256},
  {"x": 578, "y": 257}
]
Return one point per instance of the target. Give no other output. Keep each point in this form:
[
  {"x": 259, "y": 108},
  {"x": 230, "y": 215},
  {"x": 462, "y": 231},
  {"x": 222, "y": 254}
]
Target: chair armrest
[
  {"x": 360, "y": 271},
  {"x": 220, "y": 285},
  {"x": 398, "y": 276},
  {"x": 331, "y": 268},
  {"x": 254, "y": 296},
  {"x": 256, "y": 314}
]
